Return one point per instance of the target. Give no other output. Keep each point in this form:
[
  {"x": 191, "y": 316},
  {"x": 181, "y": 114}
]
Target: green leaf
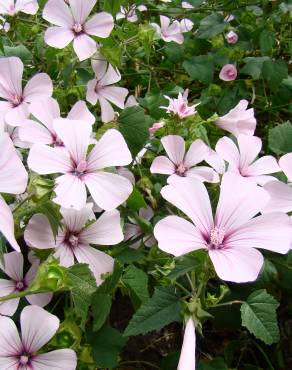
[
  {"x": 258, "y": 315},
  {"x": 253, "y": 66},
  {"x": 112, "y": 6},
  {"x": 134, "y": 128},
  {"x": 18, "y": 51},
  {"x": 183, "y": 265},
  {"x": 82, "y": 285},
  {"x": 274, "y": 71},
  {"x": 280, "y": 138},
  {"x": 137, "y": 281},
  {"x": 161, "y": 309},
  {"x": 106, "y": 344},
  {"x": 110, "y": 283},
  {"x": 200, "y": 68},
  {"x": 101, "y": 306},
  {"x": 211, "y": 26},
  {"x": 267, "y": 40},
  {"x": 136, "y": 200}
]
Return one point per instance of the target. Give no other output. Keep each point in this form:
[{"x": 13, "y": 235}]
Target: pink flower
[
  {"x": 81, "y": 170},
  {"x": 131, "y": 102},
  {"x": 37, "y": 328},
  {"x": 169, "y": 32},
  {"x": 15, "y": 106},
  {"x": 133, "y": 230},
  {"x": 72, "y": 24},
  {"x": 100, "y": 89},
  {"x": 156, "y": 126},
  {"x": 186, "y": 25},
  {"x": 243, "y": 159},
  {"x": 13, "y": 268},
  {"x": 232, "y": 236},
  {"x": 12, "y": 7},
  {"x": 187, "y": 360},
  {"x": 130, "y": 13},
  {"x": 280, "y": 197},
  {"x": 238, "y": 120},
  {"x": 183, "y": 164},
  {"x": 285, "y": 163},
  {"x": 186, "y": 5},
  {"x": 231, "y": 37},
  {"x": 41, "y": 130},
  {"x": 228, "y": 72},
  {"x": 10, "y": 164},
  {"x": 180, "y": 106},
  {"x": 74, "y": 238}
]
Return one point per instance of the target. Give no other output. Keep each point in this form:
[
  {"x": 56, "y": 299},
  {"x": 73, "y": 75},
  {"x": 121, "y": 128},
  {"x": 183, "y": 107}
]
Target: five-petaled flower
[{"x": 12, "y": 7}]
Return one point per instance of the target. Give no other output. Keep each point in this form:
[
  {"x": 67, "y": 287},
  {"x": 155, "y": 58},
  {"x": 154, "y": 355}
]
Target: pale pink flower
[
  {"x": 100, "y": 89},
  {"x": 239, "y": 120},
  {"x": 280, "y": 197},
  {"x": 232, "y": 236},
  {"x": 37, "y": 328},
  {"x": 228, "y": 72},
  {"x": 169, "y": 31},
  {"x": 4, "y": 25},
  {"x": 180, "y": 163},
  {"x": 13, "y": 268},
  {"x": 186, "y": 25},
  {"x": 72, "y": 25},
  {"x": 133, "y": 230},
  {"x": 187, "y": 360},
  {"x": 12, "y": 7},
  {"x": 13, "y": 133},
  {"x": 242, "y": 159},
  {"x": 285, "y": 163},
  {"x": 10, "y": 165},
  {"x": 231, "y": 37},
  {"x": 81, "y": 170},
  {"x": 180, "y": 106},
  {"x": 45, "y": 111},
  {"x": 15, "y": 103},
  {"x": 131, "y": 102},
  {"x": 186, "y": 5},
  {"x": 74, "y": 238},
  {"x": 156, "y": 126},
  {"x": 130, "y": 13}
]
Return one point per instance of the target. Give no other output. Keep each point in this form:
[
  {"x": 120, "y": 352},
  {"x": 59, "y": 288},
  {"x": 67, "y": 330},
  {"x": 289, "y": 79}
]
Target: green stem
[
  {"x": 228, "y": 303},
  {"x": 23, "y": 202},
  {"x": 21, "y": 295}
]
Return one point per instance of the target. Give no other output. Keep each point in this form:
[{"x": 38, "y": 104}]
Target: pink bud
[
  {"x": 156, "y": 126},
  {"x": 228, "y": 72},
  {"x": 231, "y": 37}
]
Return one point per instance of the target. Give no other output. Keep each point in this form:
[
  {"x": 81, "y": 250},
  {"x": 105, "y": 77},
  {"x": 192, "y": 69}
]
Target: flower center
[
  {"x": 73, "y": 240},
  {"x": 181, "y": 170},
  {"x": 19, "y": 286},
  {"x": 80, "y": 169},
  {"x": 24, "y": 360},
  {"x": 216, "y": 238},
  {"x": 11, "y": 9},
  {"x": 16, "y": 100},
  {"x": 77, "y": 28}
]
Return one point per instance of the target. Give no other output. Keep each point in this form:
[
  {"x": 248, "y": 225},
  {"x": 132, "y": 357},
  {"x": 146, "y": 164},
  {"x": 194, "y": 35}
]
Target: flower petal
[
  {"x": 110, "y": 150},
  {"x": 285, "y": 163},
  {"x": 196, "y": 153},
  {"x": 58, "y": 37},
  {"x": 187, "y": 358},
  {"x": 7, "y": 224},
  {"x": 65, "y": 254},
  {"x": 70, "y": 191},
  {"x": 249, "y": 148},
  {"x": 80, "y": 112},
  {"x": 76, "y": 220},
  {"x": 191, "y": 197},
  {"x": 45, "y": 160},
  {"x": 108, "y": 190},
  {"x": 262, "y": 166},
  {"x": 239, "y": 201},
  {"x": 239, "y": 265},
  {"x": 11, "y": 70},
  {"x": 38, "y": 87},
  {"x": 162, "y": 165},
  {"x": 281, "y": 197},
  {"x": 107, "y": 111},
  {"x": 227, "y": 150},
  {"x": 100, "y": 25},
  {"x": 84, "y": 46},
  {"x": 35, "y": 133},
  {"x": 56, "y": 360},
  {"x": 13, "y": 265},
  {"x": 38, "y": 233},
  {"x": 174, "y": 146},
  {"x": 81, "y": 9},
  {"x": 58, "y": 13},
  {"x": 178, "y": 236},
  {"x": 91, "y": 95},
  {"x": 17, "y": 115},
  {"x": 105, "y": 231},
  {"x": 116, "y": 95},
  {"x": 37, "y": 327},
  {"x": 10, "y": 344},
  {"x": 27, "y": 6},
  {"x": 203, "y": 173},
  {"x": 8, "y": 308},
  {"x": 99, "y": 262}
]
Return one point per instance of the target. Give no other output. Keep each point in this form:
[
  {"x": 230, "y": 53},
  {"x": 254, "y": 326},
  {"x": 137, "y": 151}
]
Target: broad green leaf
[
  {"x": 184, "y": 264},
  {"x": 200, "y": 68},
  {"x": 258, "y": 315},
  {"x": 133, "y": 126},
  {"x": 160, "y": 310},
  {"x": 106, "y": 344},
  {"x": 211, "y": 26},
  {"x": 267, "y": 40},
  {"x": 137, "y": 281},
  {"x": 82, "y": 285},
  {"x": 101, "y": 306},
  {"x": 19, "y": 51},
  {"x": 110, "y": 283},
  {"x": 112, "y": 6},
  {"x": 253, "y": 66},
  {"x": 136, "y": 200},
  {"x": 274, "y": 71},
  {"x": 280, "y": 138}
]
